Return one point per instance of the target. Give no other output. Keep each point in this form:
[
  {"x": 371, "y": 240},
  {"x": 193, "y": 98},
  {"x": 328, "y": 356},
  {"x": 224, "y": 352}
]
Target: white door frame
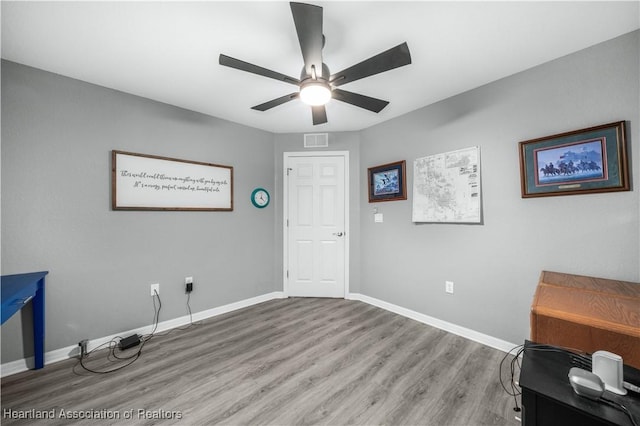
[{"x": 285, "y": 209}]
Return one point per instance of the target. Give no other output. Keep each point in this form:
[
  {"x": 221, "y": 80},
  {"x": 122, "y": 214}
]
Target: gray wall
[
  {"x": 496, "y": 266},
  {"x": 57, "y": 136}
]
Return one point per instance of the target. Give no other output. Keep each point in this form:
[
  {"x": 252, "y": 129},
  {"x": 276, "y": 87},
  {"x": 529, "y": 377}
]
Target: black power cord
[
  {"x": 514, "y": 392},
  {"x": 620, "y": 407},
  {"x": 191, "y": 323},
  {"x": 113, "y": 344}
]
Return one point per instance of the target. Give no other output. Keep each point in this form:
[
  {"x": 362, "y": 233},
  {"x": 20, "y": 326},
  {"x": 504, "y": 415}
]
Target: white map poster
[{"x": 446, "y": 187}]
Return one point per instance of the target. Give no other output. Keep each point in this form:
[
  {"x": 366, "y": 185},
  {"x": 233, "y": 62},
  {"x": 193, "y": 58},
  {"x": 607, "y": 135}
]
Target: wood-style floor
[{"x": 282, "y": 362}]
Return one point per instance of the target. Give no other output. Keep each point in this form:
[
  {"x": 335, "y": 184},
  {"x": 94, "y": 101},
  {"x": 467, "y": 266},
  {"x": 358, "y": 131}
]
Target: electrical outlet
[
  {"x": 155, "y": 288},
  {"x": 188, "y": 280},
  {"x": 448, "y": 286}
]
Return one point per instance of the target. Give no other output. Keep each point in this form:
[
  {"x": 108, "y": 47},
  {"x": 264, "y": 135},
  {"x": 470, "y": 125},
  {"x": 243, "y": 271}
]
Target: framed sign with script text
[{"x": 150, "y": 182}]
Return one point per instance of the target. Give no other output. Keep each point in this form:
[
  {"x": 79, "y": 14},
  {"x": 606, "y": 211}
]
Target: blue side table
[{"x": 17, "y": 291}]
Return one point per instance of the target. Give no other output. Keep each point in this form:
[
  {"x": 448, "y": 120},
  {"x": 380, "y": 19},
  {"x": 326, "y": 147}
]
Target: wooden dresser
[{"x": 588, "y": 314}]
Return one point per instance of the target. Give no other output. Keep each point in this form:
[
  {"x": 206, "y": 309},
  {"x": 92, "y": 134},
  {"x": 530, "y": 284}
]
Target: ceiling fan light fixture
[
  {"x": 316, "y": 85},
  {"x": 315, "y": 93}
]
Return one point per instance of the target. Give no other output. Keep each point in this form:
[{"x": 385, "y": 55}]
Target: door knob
[{"x": 338, "y": 234}]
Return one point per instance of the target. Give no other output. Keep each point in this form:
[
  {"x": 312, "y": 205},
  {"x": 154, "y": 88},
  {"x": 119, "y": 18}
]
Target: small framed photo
[
  {"x": 388, "y": 182},
  {"x": 579, "y": 162}
]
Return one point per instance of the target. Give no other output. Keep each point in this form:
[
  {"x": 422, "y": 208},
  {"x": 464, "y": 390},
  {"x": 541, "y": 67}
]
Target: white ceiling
[{"x": 168, "y": 51}]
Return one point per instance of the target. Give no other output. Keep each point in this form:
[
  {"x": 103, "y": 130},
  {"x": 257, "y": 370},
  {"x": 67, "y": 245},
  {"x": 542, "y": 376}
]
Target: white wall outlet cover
[
  {"x": 155, "y": 288},
  {"x": 188, "y": 280},
  {"x": 377, "y": 218}
]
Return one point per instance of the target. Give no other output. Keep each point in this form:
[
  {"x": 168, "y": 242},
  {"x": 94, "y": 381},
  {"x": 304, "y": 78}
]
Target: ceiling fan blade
[
  {"x": 308, "y": 21},
  {"x": 319, "y": 114},
  {"x": 362, "y": 101},
  {"x": 275, "y": 102},
  {"x": 393, "y": 58},
  {"x": 228, "y": 61}
]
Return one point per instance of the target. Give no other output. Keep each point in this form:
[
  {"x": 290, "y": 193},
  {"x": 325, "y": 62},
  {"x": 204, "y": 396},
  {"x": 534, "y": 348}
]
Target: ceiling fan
[{"x": 316, "y": 84}]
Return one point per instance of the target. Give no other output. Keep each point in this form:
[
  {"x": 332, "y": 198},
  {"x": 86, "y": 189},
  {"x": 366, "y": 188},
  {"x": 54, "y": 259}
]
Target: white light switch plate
[{"x": 448, "y": 286}]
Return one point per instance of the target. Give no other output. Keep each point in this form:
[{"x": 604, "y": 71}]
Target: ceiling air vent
[{"x": 316, "y": 140}]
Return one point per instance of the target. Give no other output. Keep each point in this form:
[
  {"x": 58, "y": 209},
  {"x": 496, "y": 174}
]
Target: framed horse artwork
[{"x": 577, "y": 162}]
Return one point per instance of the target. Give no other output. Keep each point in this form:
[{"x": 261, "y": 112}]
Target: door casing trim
[{"x": 285, "y": 209}]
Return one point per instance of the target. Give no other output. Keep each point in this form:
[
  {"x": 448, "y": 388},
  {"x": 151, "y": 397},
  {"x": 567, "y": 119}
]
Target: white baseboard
[
  {"x": 467, "y": 333},
  {"x": 61, "y": 354}
]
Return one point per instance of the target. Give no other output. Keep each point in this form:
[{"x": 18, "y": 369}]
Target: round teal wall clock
[{"x": 260, "y": 198}]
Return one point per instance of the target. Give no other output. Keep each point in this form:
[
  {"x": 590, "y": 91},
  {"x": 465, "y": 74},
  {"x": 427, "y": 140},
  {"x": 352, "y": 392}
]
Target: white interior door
[{"x": 315, "y": 226}]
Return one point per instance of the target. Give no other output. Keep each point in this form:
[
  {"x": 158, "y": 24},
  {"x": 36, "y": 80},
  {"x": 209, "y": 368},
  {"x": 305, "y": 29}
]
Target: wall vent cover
[{"x": 316, "y": 140}]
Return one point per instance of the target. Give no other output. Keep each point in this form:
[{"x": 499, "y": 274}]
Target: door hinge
[
  {"x": 287, "y": 273},
  {"x": 287, "y": 223},
  {"x": 288, "y": 170}
]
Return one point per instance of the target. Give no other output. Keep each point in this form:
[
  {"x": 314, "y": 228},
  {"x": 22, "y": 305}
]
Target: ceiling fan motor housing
[
  {"x": 325, "y": 75},
  {"x": 315, "y": 90},
  {"x": 317, "y": 86}
]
